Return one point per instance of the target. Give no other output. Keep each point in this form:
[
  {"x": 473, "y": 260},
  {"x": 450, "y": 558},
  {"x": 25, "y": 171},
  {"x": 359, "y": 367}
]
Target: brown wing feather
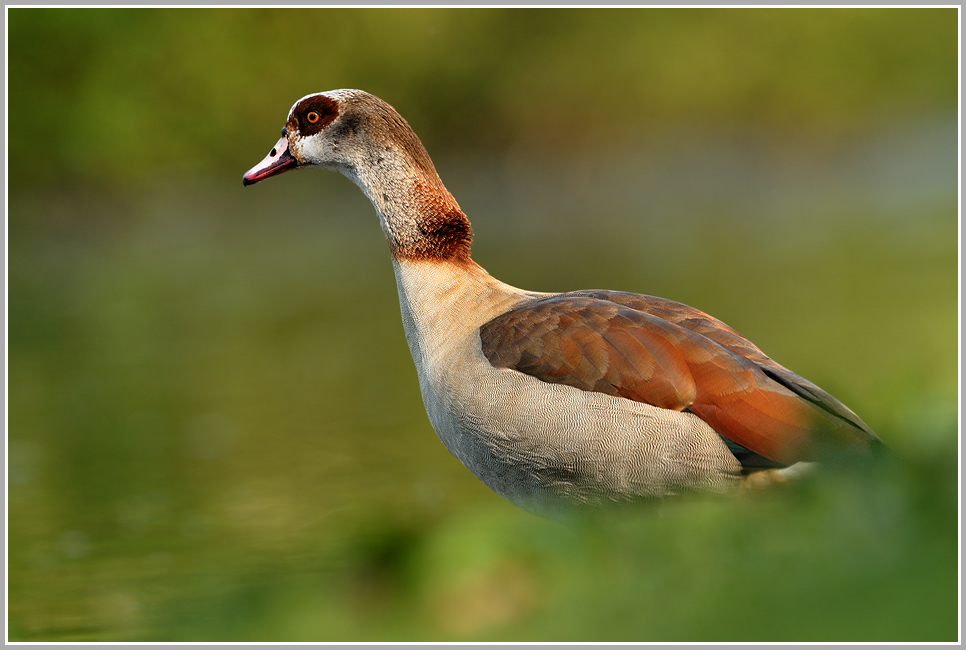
[
  {"x": 701, "y": 323},
  {"x": 672, "y": 356}
]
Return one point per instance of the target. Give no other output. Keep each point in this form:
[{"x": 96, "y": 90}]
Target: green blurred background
[{"x": 215, "y": 430}]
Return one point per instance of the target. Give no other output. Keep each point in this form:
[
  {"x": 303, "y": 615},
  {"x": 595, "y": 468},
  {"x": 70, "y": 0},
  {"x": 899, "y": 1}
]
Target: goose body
[{"x": 557, "y": 401}]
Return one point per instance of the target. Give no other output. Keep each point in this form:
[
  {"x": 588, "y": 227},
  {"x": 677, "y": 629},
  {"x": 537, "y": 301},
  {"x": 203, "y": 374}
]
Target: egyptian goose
[{"x": 560, "y": 400}]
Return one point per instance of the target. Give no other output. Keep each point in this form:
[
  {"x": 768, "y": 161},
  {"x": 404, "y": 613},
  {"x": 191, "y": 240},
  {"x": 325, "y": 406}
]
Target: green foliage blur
[
  {"x": 215, "y": 431},
  {"x": 119, "y": 96}
]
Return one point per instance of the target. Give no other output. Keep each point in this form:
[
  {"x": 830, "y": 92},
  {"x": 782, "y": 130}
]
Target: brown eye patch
[{"x": 314, "y": 113}]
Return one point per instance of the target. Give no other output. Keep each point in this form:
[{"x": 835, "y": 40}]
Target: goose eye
[{"x": 312, "y": 117}]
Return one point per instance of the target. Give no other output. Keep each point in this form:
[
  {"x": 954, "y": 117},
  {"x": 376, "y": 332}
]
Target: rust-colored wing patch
[{"x": 672, "y": 356}]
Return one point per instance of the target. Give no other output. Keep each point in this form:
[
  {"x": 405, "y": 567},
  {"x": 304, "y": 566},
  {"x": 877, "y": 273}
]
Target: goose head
[
  {"x": 350, "y": 131},
  {"x": 364, "y": 138},
  {"x": 312, "y": 135}
]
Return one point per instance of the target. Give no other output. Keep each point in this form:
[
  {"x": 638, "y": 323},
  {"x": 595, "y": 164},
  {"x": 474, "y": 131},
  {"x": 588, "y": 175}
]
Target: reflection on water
[{"x": 215, "y": 431}]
